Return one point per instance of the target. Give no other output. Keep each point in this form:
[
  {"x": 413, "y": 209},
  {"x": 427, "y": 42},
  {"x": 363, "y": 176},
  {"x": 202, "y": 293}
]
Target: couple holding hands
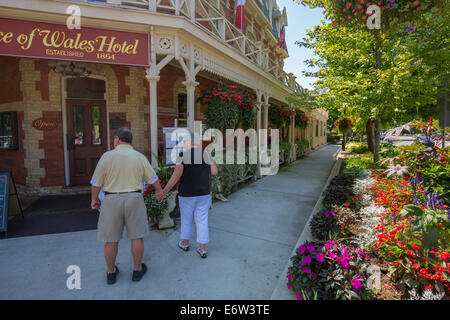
[{"x": 120, "y": 173}]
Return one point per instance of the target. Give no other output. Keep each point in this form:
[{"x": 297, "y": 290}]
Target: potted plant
[{"x": 158, "y": 211}]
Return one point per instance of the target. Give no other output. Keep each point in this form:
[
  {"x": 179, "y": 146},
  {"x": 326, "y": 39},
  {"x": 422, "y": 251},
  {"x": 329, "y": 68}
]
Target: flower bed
[{"x": 399, "y": 218}]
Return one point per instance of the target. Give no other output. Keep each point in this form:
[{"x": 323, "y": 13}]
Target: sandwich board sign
[{"x": 7, "y": 191}]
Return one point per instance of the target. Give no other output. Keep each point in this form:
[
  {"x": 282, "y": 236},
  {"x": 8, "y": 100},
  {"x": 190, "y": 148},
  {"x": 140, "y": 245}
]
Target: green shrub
[
  {"x": 355, "y": 163},
  {"x": 357, "y": 147},
  {"x": 302, "y": 147},
  {"x": 226, "y": 181},
  {"x": 388, "y": 150},
  {"x": 333, "y": 138}
]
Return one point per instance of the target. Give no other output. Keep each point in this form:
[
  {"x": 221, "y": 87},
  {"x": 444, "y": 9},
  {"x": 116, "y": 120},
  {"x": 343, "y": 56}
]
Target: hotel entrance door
[{"x": 86, "y": 138}]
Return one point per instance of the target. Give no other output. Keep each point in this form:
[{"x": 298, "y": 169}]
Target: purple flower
[
  {"x": 320, "y": 257},
  {"x": 356, "y": 284},
  {"x": 410, "y": 28},
  {"x": 299, "y": 296},
  {"x": 327, "y": 214},
  {"x": 289, "y": 277},
  {"x": 307, "y": 259},
  {"x": 301, "y": 249},
  {"x": 306, "y": 270},
  {"x": 391, "y": 4}
]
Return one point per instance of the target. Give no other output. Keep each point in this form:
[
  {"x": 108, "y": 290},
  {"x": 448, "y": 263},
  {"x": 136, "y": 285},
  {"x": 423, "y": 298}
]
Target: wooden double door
[{"x": 86, "y": 137}]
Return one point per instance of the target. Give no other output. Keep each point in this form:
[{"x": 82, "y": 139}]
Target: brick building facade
[{"x": 187, "y": 54}]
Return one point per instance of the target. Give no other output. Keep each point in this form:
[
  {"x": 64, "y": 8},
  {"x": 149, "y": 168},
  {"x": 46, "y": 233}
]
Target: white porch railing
[{"x": 207, "y": 15}]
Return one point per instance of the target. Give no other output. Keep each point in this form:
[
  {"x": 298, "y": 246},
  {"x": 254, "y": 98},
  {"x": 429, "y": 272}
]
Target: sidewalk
[{"x": 252, "y": 237}]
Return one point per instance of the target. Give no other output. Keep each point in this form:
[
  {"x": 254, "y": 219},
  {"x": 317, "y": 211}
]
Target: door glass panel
[
  {"x": 182, "y": 110},
  {"x": 95, "y": 116},
  {"x": 78, "y": 124}
]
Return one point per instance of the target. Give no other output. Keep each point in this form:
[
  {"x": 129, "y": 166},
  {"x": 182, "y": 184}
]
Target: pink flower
[
  {"x": 320, "y": 257},
  {"x": 356, "y": 284},
  {"x": 299, "y": 296},
  {"x": 306, "y": 270},
  {"x": 314, "y": 276},
  {"x": 311, "y": 248},
  {"x": 289, "y": 277},
  {"x": 327, "y": 214},
  {"x": 346, "y": 204},
  {"x": 331, "y": 255},
  {"x": 288, "y": 285},
  {"x": 301, "y": 249},
  {"x": 307, "y": 259}
]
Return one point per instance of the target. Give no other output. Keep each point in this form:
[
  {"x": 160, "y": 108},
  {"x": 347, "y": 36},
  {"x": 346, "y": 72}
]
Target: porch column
[
  {"x": 258, "y": 131},
  {"x": 266, "y": 115},
  {"x": 190, "y": 93},
  {"x": 293, "y": 139},
  {"x": 153, "y": 82}
]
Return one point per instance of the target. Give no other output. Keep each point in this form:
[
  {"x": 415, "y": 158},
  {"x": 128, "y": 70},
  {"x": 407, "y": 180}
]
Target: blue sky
[{"x": 300, "y": 18}]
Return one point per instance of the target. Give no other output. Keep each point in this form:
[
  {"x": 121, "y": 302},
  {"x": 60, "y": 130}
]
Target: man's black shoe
[
  {"x": 137, "y": 275},
  {"x": 111, "y": 277}
]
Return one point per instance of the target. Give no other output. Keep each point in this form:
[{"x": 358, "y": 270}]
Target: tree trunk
[
  {"x": 343, "y": 141},
  {"x": 370, "y": 135},
  {"x": 376, "y": 138},
  {"x": 376, "y": 155}
]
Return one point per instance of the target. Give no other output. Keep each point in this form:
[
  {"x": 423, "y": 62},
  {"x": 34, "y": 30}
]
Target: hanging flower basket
[
  {"x": 394, "y": 13},
  {"x": 301, "y": 120},
  {"x": 280, "y": 116},
  {"x": 228, "y": 107},
  {"x": 344, "y": 124}
]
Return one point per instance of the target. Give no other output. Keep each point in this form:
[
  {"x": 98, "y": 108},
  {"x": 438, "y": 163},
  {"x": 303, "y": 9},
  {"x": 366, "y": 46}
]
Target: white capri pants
[{"x": 195, "y": 208}]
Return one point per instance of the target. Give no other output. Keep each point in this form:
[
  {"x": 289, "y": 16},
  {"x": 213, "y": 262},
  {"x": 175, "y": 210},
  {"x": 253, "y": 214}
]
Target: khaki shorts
[{"x": 119, "y": 210}]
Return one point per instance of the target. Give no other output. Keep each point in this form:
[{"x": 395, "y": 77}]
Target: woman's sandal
[
  {"x": 182, "y": 246},
  {"x": 202, "y": 254}
]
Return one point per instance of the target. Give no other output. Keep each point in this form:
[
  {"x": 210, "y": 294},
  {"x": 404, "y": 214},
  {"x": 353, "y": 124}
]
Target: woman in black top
[{"x": 193, "y": 169}]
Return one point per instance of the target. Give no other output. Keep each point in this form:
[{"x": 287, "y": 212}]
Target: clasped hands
[{"x": 161, "y": 194}]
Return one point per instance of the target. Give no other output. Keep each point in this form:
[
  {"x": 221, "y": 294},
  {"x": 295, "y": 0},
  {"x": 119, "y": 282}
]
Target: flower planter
[{"x": 166, "y": 222}]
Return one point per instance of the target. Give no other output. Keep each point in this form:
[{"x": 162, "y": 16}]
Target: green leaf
[{"x": 411, "y": 209}]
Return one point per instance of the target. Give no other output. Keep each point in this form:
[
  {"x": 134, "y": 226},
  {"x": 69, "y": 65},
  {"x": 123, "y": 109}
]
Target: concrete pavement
[{"x": 252, "y": 237}]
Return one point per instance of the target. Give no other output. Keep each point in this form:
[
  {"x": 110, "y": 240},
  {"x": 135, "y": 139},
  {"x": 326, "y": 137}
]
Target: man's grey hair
[{"x": 124, "y": 134}]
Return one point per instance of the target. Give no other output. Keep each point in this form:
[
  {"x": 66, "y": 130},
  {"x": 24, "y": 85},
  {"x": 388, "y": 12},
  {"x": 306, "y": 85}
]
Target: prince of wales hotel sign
[{"x": 57, "y": 42}]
